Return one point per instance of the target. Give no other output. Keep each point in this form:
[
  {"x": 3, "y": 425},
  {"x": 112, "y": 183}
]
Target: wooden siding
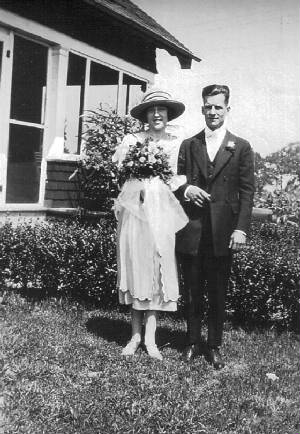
[{"x": 61, "y": 192}]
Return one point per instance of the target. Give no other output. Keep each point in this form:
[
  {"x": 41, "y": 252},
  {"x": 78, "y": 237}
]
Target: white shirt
[{"x": 214, "y": 140}]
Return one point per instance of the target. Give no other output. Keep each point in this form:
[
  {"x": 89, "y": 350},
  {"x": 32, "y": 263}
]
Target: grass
[{"x": 62, "y": 373}]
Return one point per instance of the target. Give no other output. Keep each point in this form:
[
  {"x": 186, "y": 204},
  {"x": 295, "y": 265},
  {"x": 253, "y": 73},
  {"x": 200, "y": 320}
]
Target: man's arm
[
  {"x": 246, "y": 193},
  {"x": 246, "y": 188},
  {"x": 188, "y": 192}
]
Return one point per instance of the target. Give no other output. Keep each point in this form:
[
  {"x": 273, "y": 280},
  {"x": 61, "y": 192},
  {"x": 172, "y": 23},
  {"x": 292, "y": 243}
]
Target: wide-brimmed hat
[{"x": 157, "y": 97}]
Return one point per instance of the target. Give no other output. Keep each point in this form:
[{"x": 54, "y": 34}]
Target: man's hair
[{"x": 215, "y": 89}]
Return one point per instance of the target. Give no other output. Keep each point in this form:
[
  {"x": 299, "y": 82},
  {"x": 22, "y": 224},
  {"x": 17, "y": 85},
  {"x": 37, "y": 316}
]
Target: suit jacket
[{"x": 231, "y": 187}]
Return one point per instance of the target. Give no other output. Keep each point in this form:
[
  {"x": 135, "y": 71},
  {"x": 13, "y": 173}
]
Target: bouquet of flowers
[{"x": 145, "y": 160}]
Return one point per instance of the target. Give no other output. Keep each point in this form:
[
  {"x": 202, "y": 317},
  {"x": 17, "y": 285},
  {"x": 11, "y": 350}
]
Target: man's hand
[
  {"x": 197, "y": 195},
  {"x": 237, "y": 241}
]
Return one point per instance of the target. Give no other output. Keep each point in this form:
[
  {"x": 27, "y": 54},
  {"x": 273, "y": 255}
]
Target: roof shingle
[{"x": 127, "y": 11}]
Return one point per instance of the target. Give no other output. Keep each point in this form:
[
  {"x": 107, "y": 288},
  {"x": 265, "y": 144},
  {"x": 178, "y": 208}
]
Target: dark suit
[{"x": 204, "y": 242}]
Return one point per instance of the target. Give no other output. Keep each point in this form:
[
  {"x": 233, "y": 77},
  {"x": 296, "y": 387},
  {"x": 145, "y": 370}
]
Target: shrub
[
  {"x": 277, "y": 182},
  {"x": 79, "y": 260},
  {"x": 96, "y": 172},
  {"x": 61, "y": 258},
  {"x": 264, "y": 286}
]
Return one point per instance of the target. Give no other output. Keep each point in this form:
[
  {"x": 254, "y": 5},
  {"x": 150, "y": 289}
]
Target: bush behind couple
[{"x": 214, "y": 185}]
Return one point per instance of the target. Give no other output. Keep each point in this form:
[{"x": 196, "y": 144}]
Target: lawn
[{"x": 62, "y": 373}]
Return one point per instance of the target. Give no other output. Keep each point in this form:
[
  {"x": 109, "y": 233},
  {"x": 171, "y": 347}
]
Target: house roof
[{"x": 128, "y": 12}]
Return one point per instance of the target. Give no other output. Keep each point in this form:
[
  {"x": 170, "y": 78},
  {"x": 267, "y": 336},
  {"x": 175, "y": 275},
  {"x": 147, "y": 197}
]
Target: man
[{"x": 218, "y": 200}]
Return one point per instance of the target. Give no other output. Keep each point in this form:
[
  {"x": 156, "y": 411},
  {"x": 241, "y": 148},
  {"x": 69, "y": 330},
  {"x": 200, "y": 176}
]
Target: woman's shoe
[
  {"x": 130, "y": 348},
  {"x": 154, "y": 352}
]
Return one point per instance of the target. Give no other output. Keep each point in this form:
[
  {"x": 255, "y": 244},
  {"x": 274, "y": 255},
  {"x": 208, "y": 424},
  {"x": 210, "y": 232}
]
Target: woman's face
[{"x": 157, "y": 117}]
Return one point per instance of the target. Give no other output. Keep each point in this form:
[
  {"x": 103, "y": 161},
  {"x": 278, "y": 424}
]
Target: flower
[
  {"x": 230, "y": 147},
  {"x": 151, "y": 159},
  {"x": 272, "y": 376},
  {"x": 145, "y": 160}
]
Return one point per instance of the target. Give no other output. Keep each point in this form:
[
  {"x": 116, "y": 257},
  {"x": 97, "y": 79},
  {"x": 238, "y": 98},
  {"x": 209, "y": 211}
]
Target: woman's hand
[{"x": 142, "y": 196}]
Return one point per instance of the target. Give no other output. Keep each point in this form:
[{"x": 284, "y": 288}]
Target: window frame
[
  {"x": 121, "y": 94},
  {"x": 43, "y": 116}
]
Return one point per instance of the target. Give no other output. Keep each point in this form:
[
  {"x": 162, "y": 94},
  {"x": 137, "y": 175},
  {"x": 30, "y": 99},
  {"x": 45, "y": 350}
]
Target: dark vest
[{"x": 210, "y": 167}]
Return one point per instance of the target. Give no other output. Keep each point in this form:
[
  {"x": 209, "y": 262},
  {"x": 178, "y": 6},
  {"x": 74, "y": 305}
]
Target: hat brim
[{"x": 175, "y": 109}]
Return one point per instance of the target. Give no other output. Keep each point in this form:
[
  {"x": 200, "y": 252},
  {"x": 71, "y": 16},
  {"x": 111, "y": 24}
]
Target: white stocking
[
  {"x": 150, "y": 327},
  {"x": 136, "y": 324}
]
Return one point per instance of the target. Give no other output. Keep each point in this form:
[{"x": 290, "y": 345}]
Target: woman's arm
[{"x": 181, "y": 171}]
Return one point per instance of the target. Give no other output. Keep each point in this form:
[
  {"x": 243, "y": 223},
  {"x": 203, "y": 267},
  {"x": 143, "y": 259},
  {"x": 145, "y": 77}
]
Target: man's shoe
[
  {"x": 190, "y": 352},
  {"x": 214, "y": 357}
]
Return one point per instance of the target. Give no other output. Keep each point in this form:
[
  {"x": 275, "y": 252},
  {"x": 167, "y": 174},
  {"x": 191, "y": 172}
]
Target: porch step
[
  {"x": 22, "y": 212},
  {"x": 35, "y": 213}
]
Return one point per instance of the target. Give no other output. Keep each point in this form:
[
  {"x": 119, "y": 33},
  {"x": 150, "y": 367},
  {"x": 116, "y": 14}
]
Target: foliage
[
  {"x": 96, "y": 171},
  {"x": 61, "y": 258},
  {"x": 62, "y": 373},
  {"x": 144, "y": 160},
  {"x": 69, "y": 258},
  {"x": 265, "y": 281},
  {"x": 286, "y": 159},
  {"x": 277, "y": 182}
]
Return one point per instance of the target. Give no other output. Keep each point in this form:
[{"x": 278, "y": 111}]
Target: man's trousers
[{"x": 205, "y": 274}]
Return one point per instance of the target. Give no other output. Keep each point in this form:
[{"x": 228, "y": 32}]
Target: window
[
  {"x": 1, "y": 53},
  {"x": 134, "y": 91},
  {"x": 91, "y": 85},
  {"x": 103, "y": 87},
  {"x": 28, "y": 95},
  {"x": 74, "y": 103}
]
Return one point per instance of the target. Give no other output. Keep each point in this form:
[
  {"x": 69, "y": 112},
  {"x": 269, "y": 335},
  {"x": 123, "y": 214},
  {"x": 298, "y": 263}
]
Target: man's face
[
  {"x": 157, "y": 117},
  {"x": 215, "y": 110}
]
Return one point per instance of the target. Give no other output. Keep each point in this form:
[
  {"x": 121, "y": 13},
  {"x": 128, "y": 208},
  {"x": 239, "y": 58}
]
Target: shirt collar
[{"x": 218, "y": 133}]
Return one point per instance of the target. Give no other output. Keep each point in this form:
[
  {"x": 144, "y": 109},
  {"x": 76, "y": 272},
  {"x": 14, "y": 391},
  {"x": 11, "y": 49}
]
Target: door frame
[
  {"x": 6, "y": 70},
  {"x": 6, "y": 37}
]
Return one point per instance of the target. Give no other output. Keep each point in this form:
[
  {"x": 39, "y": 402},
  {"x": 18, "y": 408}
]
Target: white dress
[{"x": 147, "y": 271}]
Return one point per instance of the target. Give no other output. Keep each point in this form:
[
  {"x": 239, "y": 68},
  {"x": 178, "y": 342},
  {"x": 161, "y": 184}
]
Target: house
[{"x": 59, "y": 58}]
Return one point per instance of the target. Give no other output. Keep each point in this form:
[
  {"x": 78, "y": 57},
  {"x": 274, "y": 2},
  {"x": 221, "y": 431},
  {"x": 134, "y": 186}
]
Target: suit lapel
[
  {"x": 198, "y": 149},
  {"x": 223, "y": 155}
]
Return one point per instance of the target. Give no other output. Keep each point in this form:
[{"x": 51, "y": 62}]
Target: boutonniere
[{"x": 230, "y": 147}]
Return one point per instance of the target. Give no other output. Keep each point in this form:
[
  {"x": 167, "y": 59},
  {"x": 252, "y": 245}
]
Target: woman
[{"x": 148, "y": 216}]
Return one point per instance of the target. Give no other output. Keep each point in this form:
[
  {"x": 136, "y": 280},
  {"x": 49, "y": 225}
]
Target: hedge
[
  {"x": 264, "y": 287},
  {"x": 77, "y": 260},
  {"x": 60, "y": 259}
]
